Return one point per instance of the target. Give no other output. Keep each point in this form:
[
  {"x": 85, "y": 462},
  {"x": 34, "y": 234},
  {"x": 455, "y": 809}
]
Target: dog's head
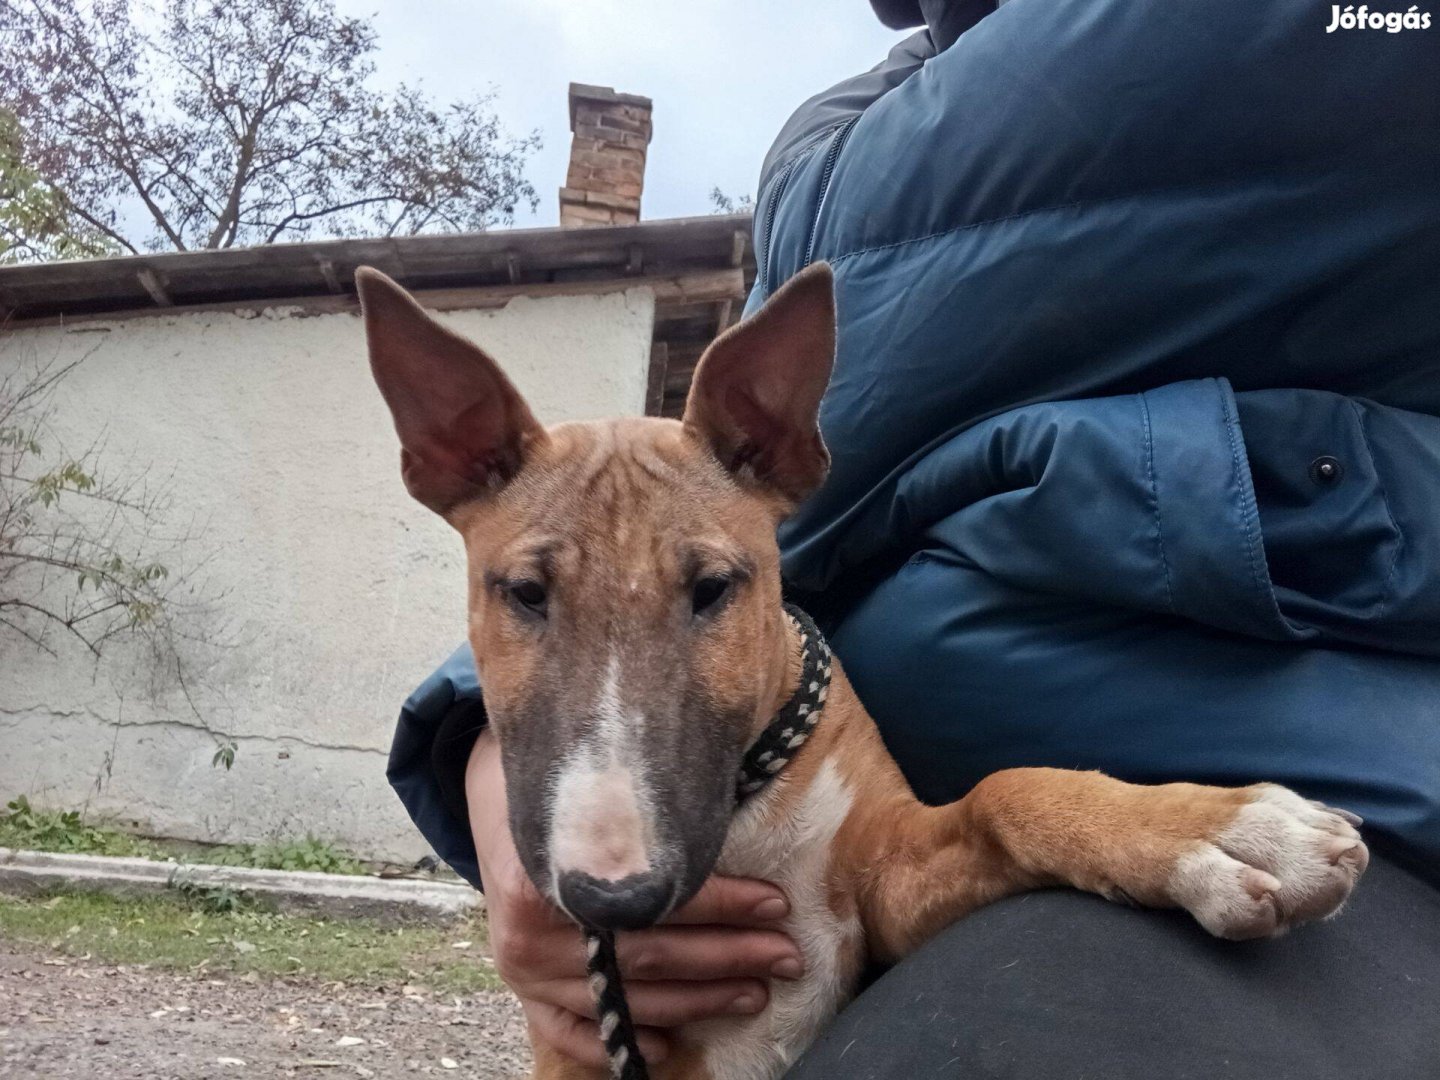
[{"x": 624, "y": 586}]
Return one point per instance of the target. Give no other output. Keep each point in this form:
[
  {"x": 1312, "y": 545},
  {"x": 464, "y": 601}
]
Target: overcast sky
[{"x": 724, "y": 76}]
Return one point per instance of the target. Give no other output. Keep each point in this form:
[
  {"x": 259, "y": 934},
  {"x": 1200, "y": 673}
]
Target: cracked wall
[{"x": 336, "y": 593}]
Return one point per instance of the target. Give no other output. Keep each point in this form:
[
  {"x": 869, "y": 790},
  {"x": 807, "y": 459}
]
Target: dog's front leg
[{"x": 1246, "y": 862}]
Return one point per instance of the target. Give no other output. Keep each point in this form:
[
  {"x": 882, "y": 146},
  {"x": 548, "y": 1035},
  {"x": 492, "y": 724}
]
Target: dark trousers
[{"x": 1064, "y": 986}]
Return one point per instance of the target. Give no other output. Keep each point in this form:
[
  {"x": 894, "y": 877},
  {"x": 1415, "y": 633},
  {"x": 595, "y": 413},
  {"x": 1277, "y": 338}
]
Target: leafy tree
[
  {"x": 35, "y": 222},
  {"x": 725, "y": 204},
  {"x": 210, "y": 123}
]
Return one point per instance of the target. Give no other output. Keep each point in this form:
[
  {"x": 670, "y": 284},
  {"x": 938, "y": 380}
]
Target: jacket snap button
[{"x": 1326, "y": 470}]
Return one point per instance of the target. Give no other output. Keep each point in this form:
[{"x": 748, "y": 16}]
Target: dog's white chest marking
[{"x": 795, "y": 855}]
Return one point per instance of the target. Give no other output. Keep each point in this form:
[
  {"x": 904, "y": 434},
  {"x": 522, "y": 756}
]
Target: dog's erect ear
[
  {"x": 464, "y": 429},
  {"x": 756, "y": 393}
]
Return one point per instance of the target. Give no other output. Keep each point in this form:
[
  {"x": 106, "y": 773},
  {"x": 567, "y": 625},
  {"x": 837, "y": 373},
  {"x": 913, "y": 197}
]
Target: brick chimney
[{"x": 607, "y": 157}]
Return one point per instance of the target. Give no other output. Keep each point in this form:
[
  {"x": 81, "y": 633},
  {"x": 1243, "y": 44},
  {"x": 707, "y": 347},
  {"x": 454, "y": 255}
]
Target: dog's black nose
[{"x": 632, "y": 903}]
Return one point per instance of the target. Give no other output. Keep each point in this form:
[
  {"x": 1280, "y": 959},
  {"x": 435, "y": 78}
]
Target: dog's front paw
[{"x": 1281, "y": 861}]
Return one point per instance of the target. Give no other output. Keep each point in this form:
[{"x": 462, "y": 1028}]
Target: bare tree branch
[
  {"x": 241, "y": 123},
  {"x": 87, "y": 555}
]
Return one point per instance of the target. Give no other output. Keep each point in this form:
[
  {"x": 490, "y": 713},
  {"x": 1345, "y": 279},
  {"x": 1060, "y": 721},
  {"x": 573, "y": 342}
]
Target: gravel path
[{"x": 63, "y": 1017}]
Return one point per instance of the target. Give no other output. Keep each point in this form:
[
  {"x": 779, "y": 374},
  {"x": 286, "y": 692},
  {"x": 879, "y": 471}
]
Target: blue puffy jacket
[{"x": 1136, "y": 414}]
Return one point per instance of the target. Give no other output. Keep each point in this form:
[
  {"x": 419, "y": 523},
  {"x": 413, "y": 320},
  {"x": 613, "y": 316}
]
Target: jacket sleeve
[
  {"x": 437, "y": 728},
  {"x": 1192, "y": 500}
]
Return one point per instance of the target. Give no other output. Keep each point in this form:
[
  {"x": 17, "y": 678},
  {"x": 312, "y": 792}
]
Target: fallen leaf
[{"x": 349, "y": 1040}]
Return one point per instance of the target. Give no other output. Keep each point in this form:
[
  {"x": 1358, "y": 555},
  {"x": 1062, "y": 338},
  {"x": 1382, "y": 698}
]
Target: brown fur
[{"x": 619, "y": 501}]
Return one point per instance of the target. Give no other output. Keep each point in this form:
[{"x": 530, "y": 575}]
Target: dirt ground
[{"x": 64, "y": 1017}]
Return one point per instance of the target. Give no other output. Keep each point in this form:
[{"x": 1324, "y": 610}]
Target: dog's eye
[
  {"x": 708, "y": 592},
  {"x": 530, "y": 595}
]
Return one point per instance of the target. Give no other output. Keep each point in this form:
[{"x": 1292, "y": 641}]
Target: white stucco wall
[{"x": 338, "y": 593}]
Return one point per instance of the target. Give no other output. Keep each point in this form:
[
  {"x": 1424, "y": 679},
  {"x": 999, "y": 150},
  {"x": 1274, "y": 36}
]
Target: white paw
[{"x": 1281, "y": 861}]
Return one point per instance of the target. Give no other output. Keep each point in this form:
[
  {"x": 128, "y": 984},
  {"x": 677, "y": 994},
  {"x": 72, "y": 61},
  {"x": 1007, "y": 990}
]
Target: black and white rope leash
[
  {"x": 770, "y": 753},
  {"x": 617, "y": 1030}
]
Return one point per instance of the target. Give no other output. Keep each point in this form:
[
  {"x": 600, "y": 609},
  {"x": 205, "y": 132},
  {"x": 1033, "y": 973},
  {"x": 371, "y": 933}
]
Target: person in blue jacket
[{"x": 1136, "y": 435}]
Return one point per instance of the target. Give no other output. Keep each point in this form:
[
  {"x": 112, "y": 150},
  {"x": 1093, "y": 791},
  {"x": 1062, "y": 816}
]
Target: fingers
[
  {"x": 666, "y": 1004},
  {"x": 532, "y": 943},
  {"x": 667, "y": 953},
  {"x": 579, "y": 1038},
  {"x": 696, "y": 953},
  {"x": 734, "y": 902}
]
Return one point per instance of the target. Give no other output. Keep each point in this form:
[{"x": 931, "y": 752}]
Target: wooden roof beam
[
  {"x": 150, "y": 282},
  {"x": 655, "y": 392},
  {"x": 327, "y": 271}
]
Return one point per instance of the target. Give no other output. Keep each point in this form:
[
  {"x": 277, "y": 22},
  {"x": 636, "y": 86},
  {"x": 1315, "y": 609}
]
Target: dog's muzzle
[{"x": 632, "y": 903}]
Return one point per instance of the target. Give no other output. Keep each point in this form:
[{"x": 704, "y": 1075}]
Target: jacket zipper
[
  {"x": 837, "y": 143},
  {"x": 775, "y": 192}
]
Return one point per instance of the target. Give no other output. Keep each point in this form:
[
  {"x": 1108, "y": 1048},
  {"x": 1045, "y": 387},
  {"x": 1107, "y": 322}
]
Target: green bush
[
  {"x": 65, "y": 831},
  {"x": 307, "y": 854}
]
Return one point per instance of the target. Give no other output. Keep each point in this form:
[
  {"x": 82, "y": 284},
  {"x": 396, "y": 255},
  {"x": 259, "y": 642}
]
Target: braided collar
[
  {"x": 770, "y": 753},
  {"x": 797, "y": 718}
]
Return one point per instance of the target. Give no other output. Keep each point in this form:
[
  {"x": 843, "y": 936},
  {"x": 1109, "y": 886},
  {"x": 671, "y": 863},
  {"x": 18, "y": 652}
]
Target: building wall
[{"x": 330, "y": 594}]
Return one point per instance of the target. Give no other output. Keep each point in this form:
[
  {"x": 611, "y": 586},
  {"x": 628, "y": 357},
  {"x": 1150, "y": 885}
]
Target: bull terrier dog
[{"x": 626, "y": 618}]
